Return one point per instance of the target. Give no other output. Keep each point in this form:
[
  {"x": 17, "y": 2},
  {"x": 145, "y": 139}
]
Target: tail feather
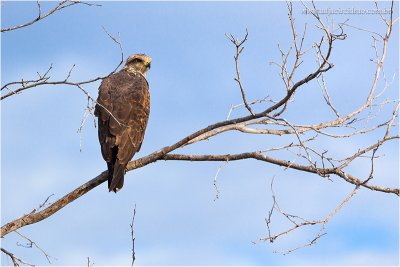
[
  {"x": 110, "y": 168},
  {"x": 114, "y": 172},
  {"x": 117, "y": 177}
]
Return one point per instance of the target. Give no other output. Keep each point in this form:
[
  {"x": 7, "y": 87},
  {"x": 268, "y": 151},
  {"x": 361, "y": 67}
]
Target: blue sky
[{"x": 191, "y": 82}]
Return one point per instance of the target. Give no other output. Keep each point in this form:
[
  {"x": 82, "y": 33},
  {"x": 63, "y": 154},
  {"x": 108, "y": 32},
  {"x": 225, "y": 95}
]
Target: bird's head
[{"x": 138, "y": 63}]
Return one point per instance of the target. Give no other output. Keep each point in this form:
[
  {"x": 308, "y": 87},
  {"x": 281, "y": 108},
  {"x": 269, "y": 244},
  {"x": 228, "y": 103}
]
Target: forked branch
[
  {"x": 239, "y": 49},
  {"x": 61, "y": 5}
]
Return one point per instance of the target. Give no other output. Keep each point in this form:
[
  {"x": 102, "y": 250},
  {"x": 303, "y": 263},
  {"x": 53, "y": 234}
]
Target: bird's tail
[
  {"x": 116, "y": 179},
  {"x": 110, "y": 167}
]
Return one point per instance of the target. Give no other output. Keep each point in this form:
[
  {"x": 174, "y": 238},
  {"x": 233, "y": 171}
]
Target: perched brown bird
[{"x": 123, "y": 108}]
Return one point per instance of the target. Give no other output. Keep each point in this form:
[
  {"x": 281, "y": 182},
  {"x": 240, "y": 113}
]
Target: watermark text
[{"x": 346, "y": 11}]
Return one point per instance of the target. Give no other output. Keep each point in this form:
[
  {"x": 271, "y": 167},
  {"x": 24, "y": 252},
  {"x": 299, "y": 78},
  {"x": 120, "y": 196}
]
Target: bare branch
[
  {"x": 43, "y": 204},
  {"x": 89, "y": 263},
  {"x": 299, "y": 222},
  {"x": 61, "y": 5},
  {"x": 120, "y": 48},
  {"x": 16, "y": 261},
  {"x": 359, "y": 28},
  {"x": 215, "y": 182},
  {"x": 133, "y": 235},
  {"x": 239, "y": 49},
  {"x": 89, "y": 110},
  {"x": 31, "y": 243},
  {"x": 56, "y": 206},
  {"x": 311, "y": 169},
  {"x": 44, "y": 80},
  {"x": 163, "y": 155}
]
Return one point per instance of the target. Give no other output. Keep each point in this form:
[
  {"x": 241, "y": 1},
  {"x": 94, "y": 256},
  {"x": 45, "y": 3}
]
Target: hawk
[{"x": 123, "y": 108}]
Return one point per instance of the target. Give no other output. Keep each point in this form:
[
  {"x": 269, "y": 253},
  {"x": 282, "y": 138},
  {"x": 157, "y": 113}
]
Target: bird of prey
[{"x": 123, "y": 108}]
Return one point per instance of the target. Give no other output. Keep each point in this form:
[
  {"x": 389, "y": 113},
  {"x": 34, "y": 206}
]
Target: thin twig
[
  {"x": 61, "y": 5},
  {"x": 239, "y": 49},
  {"x": 31, "y": 243},
  {"x": 133, "y": 235},
  {"x": 16, "y": 261}
]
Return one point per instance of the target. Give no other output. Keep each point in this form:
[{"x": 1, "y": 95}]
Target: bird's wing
[
  {"x": 103, "y": 110},
  {"x": 138, "y": 100},
  {"x": 123, "y": 110}
]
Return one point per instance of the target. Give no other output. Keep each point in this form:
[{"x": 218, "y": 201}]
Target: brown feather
[{"x": 123, "y": 110}]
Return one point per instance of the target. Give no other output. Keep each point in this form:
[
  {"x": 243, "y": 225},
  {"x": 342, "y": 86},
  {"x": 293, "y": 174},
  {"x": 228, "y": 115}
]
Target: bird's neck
[{"x": 134, "y": 71}]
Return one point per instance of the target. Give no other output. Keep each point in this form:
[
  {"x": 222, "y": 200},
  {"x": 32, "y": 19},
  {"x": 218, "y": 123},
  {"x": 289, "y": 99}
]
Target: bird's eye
[
  {"x": 149, "y": 65},
  {"x": 134, "y": 60}
]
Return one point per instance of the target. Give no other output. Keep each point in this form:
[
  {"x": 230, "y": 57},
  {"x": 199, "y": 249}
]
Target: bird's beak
[{"x": 148, "y": 62}]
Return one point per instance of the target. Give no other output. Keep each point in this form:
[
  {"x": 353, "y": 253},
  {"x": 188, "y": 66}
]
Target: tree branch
[
  {"x": 31, "y": 243},
  {"x": 45, "y": 78},
  {"x": 58, "y": 7},
  {"x": 16, "y": 261},
  {"x": 163, "y": 155},
  {"x": 239, "y": 49}
]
